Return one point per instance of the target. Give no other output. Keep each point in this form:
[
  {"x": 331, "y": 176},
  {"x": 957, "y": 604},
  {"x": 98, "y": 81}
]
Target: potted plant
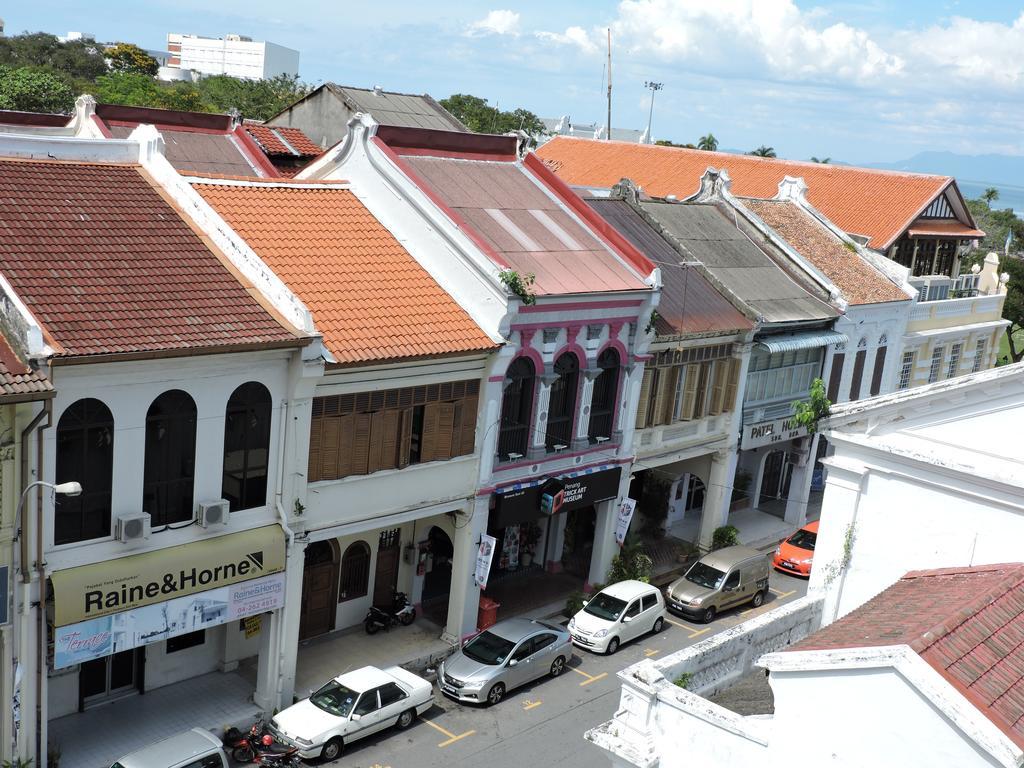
[{"x": 531, "y": 536}]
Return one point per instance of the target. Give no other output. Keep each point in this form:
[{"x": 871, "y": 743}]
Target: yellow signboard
[
  {"x": 253, "y": 624},
  {"x": 100, "y": 589}
]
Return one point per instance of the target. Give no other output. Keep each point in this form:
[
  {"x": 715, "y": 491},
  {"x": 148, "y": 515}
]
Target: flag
[
  {"x": 1009, "y": 239},
  {"x": 485, "y": 551},
  {"x": 624, "y": 518}
]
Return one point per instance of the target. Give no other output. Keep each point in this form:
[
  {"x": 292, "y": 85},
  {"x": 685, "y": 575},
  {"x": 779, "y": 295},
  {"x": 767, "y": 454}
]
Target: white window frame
[
  {"x": 954, "y": 361},
  {"x": 980, "y": 350},
  {"x": 933, "y": 371},
  {"x": 906, "y": 369}
]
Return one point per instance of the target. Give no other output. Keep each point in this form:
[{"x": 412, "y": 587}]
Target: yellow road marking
[
  {"x": 594, "y": 679},
  {"x": 678, "y": 624},
  {"x": 651, "y": 652},
  {"x": 580, "y": 672},
  {"x": 528, "y": 705},
  {"x": 781, "y": 594},
  {"x": 452, "y": 738},
  {"x": 439, "y": 729},
  {"x": 699, "y": 632}
]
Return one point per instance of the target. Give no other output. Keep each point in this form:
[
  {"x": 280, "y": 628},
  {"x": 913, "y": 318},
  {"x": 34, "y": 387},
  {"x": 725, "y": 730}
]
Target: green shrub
[
  {"x": 631, "y": 562},
  {"x": 725, "y": 536},
  {"x": 683, "y": 680}
]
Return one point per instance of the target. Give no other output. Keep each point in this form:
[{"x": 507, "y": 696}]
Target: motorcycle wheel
[
  {"x": 371, "y": 626},
  {"x": 243, "y": 754},
  {"x": 408, "y": 618}
]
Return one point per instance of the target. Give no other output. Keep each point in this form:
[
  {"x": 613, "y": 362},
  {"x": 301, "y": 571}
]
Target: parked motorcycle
[
  {"x": 257, "y": 746},
  {"x": 287, "y": 759},
  {"x": 401, "y": 612}
]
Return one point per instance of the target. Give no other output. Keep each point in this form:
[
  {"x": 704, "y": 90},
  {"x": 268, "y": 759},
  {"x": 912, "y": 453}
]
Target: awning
[{"x": 790, "y": 342}]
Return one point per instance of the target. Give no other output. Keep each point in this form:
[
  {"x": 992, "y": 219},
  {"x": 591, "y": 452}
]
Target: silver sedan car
[{"x": 509, "y": 654}]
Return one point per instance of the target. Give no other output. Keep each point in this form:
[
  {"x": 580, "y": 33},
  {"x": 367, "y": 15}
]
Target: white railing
[
  {"x": 966, "y": 307},
  {"x": 681, "y": 432}
]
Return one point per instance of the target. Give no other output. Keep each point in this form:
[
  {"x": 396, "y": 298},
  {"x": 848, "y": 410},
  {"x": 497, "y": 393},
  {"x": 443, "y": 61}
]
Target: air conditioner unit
[
  {"x": 213, "y": 513},
  {"x": 132, "y": 527}
]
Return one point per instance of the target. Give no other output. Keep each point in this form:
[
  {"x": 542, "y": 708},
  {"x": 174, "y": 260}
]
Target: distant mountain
[{"x": 990, "y": 169}]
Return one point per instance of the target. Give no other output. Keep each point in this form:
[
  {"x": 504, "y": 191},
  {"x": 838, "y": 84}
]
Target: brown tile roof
[
  {"x": 860, "y": 282},
  {"x": 967, "y": 623},
  {"x": 281, "y": 140},
  {"x": 108, "y": 266},
  {"x": 877, "y": 204},
  {"x": 18, "y": 381},
  {"x": 925, "y": 228},
  {"x": 369, "y": 297}
]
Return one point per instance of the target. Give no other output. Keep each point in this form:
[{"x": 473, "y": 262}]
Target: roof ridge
[{"x": 201, "y": 177}]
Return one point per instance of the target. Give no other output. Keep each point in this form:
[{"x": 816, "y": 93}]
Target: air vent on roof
[{"x": 378, "y": 91}]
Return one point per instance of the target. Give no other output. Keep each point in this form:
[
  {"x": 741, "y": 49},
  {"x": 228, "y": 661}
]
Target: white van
[
  {"x": 618, "y": 613},
  {"x": 192, "y": 749}
]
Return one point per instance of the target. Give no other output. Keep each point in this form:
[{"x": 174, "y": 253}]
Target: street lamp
[
  {"x": 65, "y": 489},
  {"x": 655, "y": 87}
]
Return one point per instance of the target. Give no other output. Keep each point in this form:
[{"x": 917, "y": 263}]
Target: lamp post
[
  {"x": 65, "y": 489},
  {"x": 655, "y": 87}
]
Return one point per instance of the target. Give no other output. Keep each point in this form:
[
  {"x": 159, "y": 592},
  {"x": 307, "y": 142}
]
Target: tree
[
  {"x": 807, "y": 413},
  {"x": 75, "y": 60},
  {"x": 1013, "y": 307},
  {"x": 480, "y": 117},
  {"x": 126, "y": 57},
  {"x": 254, "y": 99},
  {"x": 763, "y": 151},
  {"x": 709, "y": 143},
  {"x": 996, "y": 224},
  {"x": 822, "y": 160},
  {"x": 667, "y": 143},
  {"x": 28, "y": 89},
  {"x": 990, "y": 195}
]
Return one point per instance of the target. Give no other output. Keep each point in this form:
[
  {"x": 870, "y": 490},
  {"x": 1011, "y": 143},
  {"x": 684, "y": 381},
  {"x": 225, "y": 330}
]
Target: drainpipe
[
  {"x": 282, "y": 518},
  {"x": 41, "y": 756}
]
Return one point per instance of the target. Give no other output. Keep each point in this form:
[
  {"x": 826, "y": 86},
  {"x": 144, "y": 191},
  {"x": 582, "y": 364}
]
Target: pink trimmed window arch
[{"x": 517, "y": 408}]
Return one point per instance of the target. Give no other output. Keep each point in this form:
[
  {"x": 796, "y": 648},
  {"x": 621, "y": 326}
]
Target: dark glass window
[
  {"x": 170, "y": 458},
  {"x": 516, "y": 408},
  {"x": 389, "y": 694},
  {"x": 562, "y": 403},
  {"x": 190, "y": 640},
  {"x": 85, "y": 454},
  {"x": 246, "y": 446},
  {"x": 602, "y": 404},
  {"x": 355, "y": 571}
]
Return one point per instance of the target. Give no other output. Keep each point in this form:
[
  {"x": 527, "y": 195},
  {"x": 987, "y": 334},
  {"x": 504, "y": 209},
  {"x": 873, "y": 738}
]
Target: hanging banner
[
  {"x": 484, "y": 556},
  {"x": 626, "y": 509}
]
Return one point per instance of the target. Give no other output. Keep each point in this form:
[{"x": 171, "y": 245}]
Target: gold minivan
[{"x": 721, "y": 579}]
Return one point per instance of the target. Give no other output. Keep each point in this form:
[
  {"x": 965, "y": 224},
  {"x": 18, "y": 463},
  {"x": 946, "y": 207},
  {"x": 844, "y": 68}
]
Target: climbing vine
[{"x": 520, "y": 285}]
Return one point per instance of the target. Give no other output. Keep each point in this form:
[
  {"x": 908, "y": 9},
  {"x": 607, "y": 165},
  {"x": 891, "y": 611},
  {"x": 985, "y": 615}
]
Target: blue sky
[{"x": 874, "y": 80}]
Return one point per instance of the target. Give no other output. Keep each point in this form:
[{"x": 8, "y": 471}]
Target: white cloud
[
  {"x": 497, "y": 22},
  {"x": 573, "y": 36}
]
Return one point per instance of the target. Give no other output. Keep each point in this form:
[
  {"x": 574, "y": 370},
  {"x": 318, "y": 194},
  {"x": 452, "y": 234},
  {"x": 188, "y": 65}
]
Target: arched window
[
  {"x": 85, "y": 454},
  {"x": 602, "y": 404},
  {"x": 170, "y": 458},
  {"x": 355, "y": 571},
  {"x": 562, "y": 403},
  {"x": 516, "y": 408},
  {"x": 246, "y": 446}
]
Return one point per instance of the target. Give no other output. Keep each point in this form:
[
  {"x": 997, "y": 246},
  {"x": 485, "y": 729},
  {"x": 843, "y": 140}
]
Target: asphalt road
[{"x": 541, "y": 724}]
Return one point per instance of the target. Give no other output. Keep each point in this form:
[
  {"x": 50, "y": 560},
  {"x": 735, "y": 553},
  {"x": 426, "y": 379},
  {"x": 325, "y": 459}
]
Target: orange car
[{"x": 794, "y": 555}]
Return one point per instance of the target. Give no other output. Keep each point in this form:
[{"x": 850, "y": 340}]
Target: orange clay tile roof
[
  {"x": 877, "y": 204},
  {"x": 370, "y": 299},
  {"x": 943, "y": 228},
  {"x": 19, "y": 381},
  {"x": 966, "y": 623},
  {"x": 860, "y": 282},
  {"x": 108, "y": 266},
  {"x": 269, "y": 138}
]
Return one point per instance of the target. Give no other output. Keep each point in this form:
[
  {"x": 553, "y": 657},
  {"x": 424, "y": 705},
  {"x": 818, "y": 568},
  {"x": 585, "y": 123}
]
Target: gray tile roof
[
  {"x": 400, "y": 109},
  {"x": 712, "y": 236}
]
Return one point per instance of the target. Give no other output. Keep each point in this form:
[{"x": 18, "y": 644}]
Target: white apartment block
[{"x": 234, "y": 55}]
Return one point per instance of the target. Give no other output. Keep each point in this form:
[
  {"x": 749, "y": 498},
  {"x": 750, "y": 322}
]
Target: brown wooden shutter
[
  {"x": 645, "y": 398},
  {"x": 838, "y": 360},
  {"x": 876, "y": 374},
  {"x": 360, "y": 432},
  {"x": 405, "y": 440},
  {"x": 858, "y": 373},
  {"x": 329, "y": 448},
  {"x": 721, "y": 375},
  {"x": 467, "y": 428},
  {"x": 375, "y": 446},
  {"x": 390, "y": 438},
  {"x": 664, "y": 393},
  {"x": 428, "y": 442},
  {"x": 315, "y": 434},
  {"x": 730, "y": 385},
  {"x": 345, "y": 443},
  {"x": 445, "y": 431},
  {"x": 689, "y": 392}
]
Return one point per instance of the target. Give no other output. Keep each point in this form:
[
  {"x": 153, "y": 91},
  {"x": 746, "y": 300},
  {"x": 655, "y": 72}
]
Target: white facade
[
  {"x": 926, "y": 478},
  {"x": 233, "y": 55}
]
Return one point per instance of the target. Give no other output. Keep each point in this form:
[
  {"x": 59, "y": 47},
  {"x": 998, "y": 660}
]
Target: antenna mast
[{"x": 609, "y": 135}]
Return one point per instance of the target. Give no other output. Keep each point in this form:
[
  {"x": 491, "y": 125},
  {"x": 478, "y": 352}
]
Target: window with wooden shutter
[
  {"x": 689, "y": 392},
  {"x": 700, "y": 399},
  {"x": 645, "y": 398},
  {"x": 405, "y": 438},
  {"x": 316, "y": 429},
  {"x": 467, "y": 428},
  {"x": 330, "y": 447},
  {"x": 721, "y": 374},
  {"x": 730, "y": 385},
  {"x": 428, "y": 435},
  {"x": 665, "y": 406},
  {"x": 858, "y": 373},
  {"x": 360, "y": 443},
  {"x": 876, "y": 374},
  {"x": 384, "y": 437},
  {"x": 838, "y": 360}
]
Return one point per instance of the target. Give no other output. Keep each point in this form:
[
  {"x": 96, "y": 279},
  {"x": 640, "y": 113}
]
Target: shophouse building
[
  {"x": 173, "y": 375},
  {"x": 573, "y": 300}
]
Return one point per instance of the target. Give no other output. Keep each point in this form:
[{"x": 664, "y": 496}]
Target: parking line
[
  {"x": 590, "y": 678},
  {"x": 452, "y": 738},
  {"x": 780, "y": 594},
  {"x": 694, "y": 632},
  {"x": 699, "y": 632},
  {"x": 650, "y": 652},
  {"x": 528, "y": 705}
]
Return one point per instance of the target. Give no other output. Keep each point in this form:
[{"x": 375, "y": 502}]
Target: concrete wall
[{"x": 322, "y": 117}]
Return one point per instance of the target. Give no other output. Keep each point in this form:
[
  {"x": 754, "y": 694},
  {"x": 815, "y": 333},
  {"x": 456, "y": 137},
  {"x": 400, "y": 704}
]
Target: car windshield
[
  {"x": 605, "y": 607},
  {"x": 335, "y": 698},
  {"x": 705, "y": 575},
  {"x": 488, "y": 648},
  {"x": 803, "y": 539}
]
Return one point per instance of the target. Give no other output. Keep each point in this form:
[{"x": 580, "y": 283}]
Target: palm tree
[
  {"x": 764, "y": 151},
  {"x": 709, "y": 143},
  {"x": 991, "y": 195},
  {"x": 822, "y": 160}
]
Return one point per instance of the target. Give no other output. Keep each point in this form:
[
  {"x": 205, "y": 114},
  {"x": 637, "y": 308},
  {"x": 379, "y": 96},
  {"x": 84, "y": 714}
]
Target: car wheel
[
  {"x": 758, "y": 600},
  {"x": 659, "y": 624},
  {"x": 613, "y": 646},
  {"x": 709, "y": 615},
  {"x": 331, "y": 749},
  {"x": 496, "y": 694},
  {"x": 558, "y": 666},
  {"x": 243, "y": 754},
  {"x": 406, "y": 719}
]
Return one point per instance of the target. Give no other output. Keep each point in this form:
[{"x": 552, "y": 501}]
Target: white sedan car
[{"x": 352, "y": 706}]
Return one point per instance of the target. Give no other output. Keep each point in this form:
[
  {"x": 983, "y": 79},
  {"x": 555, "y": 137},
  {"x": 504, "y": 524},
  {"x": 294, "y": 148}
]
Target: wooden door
[
  {"x": 319, "y": 580},
  {"x": 385, "y": 579}
]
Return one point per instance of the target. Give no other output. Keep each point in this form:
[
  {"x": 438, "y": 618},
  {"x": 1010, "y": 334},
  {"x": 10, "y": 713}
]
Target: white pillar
[
  {"x": 464, "y": 597},
  {"x": 268, "y": 666},
  {"x": 287, "y": 630},
  {"x": 556, "y": 545},
  {"x": 605, "y": 546},
  {"x": 581, "y": 439},
  {"x": 717, "y": 496},
  {"x": 800, "y": 484},
  {"x": 537, "y": 448}
]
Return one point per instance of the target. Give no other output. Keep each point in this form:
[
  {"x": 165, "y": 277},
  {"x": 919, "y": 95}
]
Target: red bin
[{"x": 488, "y": 615}]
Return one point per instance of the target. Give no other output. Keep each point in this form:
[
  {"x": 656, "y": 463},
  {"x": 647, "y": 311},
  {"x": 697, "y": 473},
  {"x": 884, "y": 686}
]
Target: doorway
[
  {"x": 437, "y": 582},
  {"x": 580, "y": 525},
  {"x": 385, "y": 579},
  {"x": 775, "y": 483},
  {"x": 319, "y": 584},
  {"x": 109, "y": 678}
]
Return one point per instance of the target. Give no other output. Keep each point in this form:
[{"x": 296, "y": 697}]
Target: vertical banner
[
  {"x": 625, "y": 516},
  {"x": 484, "y": 556}
]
